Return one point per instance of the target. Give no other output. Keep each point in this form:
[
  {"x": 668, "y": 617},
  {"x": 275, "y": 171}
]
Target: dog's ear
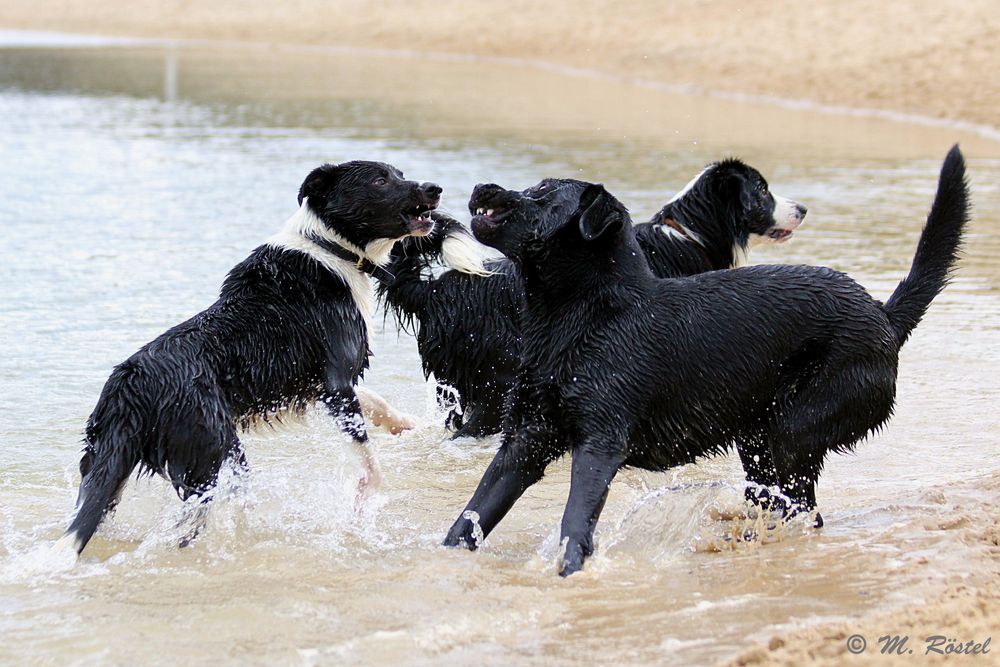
[
  {"x": 318, "y": 183},
  {"x": 747, "y": 194},
  {"x": 599, "y": 212},
  {"x": 736, "y": 188}
]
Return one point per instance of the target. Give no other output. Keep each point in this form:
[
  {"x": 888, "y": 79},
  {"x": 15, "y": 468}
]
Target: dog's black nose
[
  {"x": 801, "y": 210},
  {"x": 432, "y": 190},
  {"x": 482, "y": 194},
  {"x": 484, "y": 189}
]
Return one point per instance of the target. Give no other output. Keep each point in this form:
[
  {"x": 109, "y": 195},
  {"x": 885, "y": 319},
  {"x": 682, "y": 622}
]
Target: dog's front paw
[
  {"x": 369, "y": 483},
  {"x": 572, "y": 559},
  {"x": 399, "y": 422},
  {"x": 465, "y": 532}
]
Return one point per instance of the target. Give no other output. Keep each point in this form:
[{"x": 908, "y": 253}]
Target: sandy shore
[
  {"x": 928, "y": 57},
  {"x": 963, "y": 608}
]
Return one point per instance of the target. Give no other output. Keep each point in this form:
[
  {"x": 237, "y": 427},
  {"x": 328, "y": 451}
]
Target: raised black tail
[
  {"x": 108, "y": 460},
  {"x": 937, "y": 250}
]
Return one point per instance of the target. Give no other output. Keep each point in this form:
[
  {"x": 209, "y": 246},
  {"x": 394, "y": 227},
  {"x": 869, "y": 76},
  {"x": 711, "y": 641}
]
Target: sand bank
[{"x": 917, "y": 56}]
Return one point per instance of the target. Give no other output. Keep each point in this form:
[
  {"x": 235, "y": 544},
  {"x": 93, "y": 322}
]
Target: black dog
[
  {"x": 290, "y": 328},
  {"x": 465, "y": 320},
  {"x": 624, "y": 369}
]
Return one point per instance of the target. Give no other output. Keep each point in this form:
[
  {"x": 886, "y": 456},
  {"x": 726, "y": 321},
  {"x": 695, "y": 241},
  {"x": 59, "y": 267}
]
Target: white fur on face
[
  {"x": 465, "y": 254},
  {"x": 786, "y": 213},
  {"x": 786, "y": 217},
  {"x": 294, "y": 236}
]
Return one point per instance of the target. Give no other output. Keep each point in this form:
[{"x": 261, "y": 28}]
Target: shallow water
[{"x": 135, "y": 176}]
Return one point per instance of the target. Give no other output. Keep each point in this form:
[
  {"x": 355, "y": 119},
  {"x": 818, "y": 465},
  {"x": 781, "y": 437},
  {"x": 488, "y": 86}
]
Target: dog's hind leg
[
  {"x": 105, "y": 467},
  {"x": 593, "y": 469},
  {"x": 755, "y": 455},
  {"x": 199, "y": 478},
  {"x": 837, "y": 408},
  {"x": 797, "y": 477},
  {"x": 517, "y": 465}
]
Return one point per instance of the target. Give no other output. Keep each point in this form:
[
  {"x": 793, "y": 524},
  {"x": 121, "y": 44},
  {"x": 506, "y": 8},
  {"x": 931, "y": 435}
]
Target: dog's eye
[{"x": 380, "y": 181}]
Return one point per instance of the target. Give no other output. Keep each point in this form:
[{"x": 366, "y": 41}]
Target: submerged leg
[
  {"x": 345, "y": 408},
  {"x": 517, "y": 465},
  {"x": 755, "y": 455},
  {"x": 202, "y": 482},
  {"x": 840, "y": 404},
  {"x": 593, "y": 470}
]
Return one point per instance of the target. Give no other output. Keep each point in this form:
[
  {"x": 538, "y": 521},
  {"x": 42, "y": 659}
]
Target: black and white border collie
[
  {"x": 465, "y": 320},
  {"x": 290, "y": 328},
  {"x": 622, "y": 368},
  {"x": 715, "y": 220}
]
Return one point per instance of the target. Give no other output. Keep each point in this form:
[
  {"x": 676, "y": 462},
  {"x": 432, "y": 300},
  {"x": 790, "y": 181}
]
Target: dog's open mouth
[
  {"x": 419, "y": 219},
  {"x": 493, "y": 215},
  {"x": 779, "y": 235},
  {"x": 490, "y": 205}
]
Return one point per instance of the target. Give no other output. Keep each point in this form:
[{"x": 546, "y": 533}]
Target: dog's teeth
[
  {"x": 479, "y": 211},
  {"x": 489, "y": 212}
]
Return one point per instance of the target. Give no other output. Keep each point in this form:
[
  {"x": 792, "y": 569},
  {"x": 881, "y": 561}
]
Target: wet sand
[
  {"x": 963, "y": 608},
  {"x": 923, "y": 57}
]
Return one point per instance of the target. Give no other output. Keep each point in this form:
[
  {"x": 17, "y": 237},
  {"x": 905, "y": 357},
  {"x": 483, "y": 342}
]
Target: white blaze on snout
[
  {"x": 787, "y": 213},
  {"x": 786, "y": 217}
]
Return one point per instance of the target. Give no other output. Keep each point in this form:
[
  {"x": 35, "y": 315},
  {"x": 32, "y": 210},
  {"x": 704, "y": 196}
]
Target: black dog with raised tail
[{"x": 621, "y": 368}]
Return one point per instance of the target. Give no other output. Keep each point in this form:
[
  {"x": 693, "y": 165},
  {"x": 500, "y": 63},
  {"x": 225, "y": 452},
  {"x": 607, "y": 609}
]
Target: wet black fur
[
  {"x": 621, "y": 368},
  {"x": 466, "y": 325},
  {"x": 284, "y": 333}
]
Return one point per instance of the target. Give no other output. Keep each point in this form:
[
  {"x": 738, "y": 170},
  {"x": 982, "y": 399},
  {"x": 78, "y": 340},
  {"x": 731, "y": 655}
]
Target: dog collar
[
  {"x": 677, "y": 227},
  {"x": 680, "y": 229},
  {"x": 361, "y": 263}
]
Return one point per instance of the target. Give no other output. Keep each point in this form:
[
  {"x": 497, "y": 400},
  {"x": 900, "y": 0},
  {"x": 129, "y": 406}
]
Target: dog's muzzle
[{"x": 419, "y": 218}]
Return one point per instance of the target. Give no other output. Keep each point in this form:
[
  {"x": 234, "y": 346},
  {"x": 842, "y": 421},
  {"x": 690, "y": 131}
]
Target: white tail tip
[{"x": 465, "y": 254}]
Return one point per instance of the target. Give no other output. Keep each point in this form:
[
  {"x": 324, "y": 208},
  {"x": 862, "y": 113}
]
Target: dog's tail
[
  {"x": 413, "y": 258},
  {"x": 937, "y": 250},
  {"x": 109, "y": 457},
  {"x": 462, "y": 252}
]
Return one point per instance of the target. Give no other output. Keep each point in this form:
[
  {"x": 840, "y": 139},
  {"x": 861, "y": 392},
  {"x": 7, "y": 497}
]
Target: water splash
[{"x": 477, "y": 530}]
